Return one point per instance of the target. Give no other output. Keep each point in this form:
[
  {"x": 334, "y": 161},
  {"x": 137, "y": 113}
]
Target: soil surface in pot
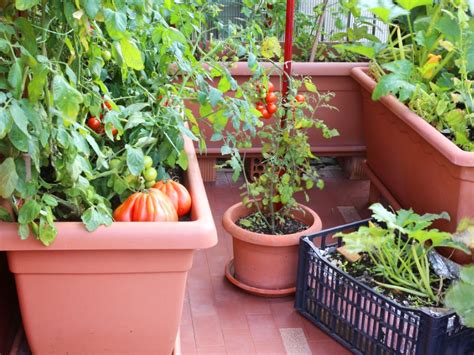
[
  {"x": 360, "y": 270},
  {"x": 285, "y": 225}
]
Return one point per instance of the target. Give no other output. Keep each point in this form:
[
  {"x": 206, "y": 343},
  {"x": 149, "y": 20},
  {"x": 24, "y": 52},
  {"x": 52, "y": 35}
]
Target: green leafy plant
[
  {"x": 459, "y": 296},
  {"x": 286, "y": 152},
  {"x": 426, "y": 61},
  {"x": 398, "y": 247},
  {"x": 94, "y": 103}
]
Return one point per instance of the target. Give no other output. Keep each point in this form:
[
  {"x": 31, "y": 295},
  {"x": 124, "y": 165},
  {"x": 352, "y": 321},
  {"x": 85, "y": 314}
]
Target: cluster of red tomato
[
  {"x": 268, "y": 108},
  {"x": 95, "y": 123}
]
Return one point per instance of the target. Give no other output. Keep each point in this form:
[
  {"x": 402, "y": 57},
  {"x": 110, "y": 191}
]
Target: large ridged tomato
[
  {"x": 178, "y": 195},
  {"x": 149, "y": 206}
]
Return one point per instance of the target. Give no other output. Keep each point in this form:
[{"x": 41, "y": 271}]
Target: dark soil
[
  {"x": 360, "y": 271},
  {"x": 287, "y": 225}
]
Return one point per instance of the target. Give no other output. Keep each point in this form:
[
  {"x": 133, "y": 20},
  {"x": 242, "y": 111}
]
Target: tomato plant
[
  {"x": 79, "y": 114},
  {"x": 286, "y": 152}
]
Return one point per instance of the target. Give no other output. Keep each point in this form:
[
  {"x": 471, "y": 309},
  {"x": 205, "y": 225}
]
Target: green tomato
[
  {"x": 131, "y": 179},
  {"x": 106, "y": 55},
  {"x": 150, "y": 174},
  {"x": 149, "y": 184},
  {"x": 148, "y": 162},
  {"x": 115, "y": 164}
]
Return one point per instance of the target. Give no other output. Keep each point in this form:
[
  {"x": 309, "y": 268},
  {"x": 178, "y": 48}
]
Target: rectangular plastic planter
[
  {"x": 117, "y": 290},
  {"x": 419, "y": 166},
  {"x": 364, "y": 321}
]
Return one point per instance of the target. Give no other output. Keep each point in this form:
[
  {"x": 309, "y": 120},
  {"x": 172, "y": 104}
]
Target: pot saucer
[{"x": 271, "y": 293}]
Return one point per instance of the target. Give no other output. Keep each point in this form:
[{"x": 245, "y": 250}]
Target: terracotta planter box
[
  {"x": 265, "y": 264},
  {"x": 420, "y": 167},
  {"x": 347, "y": 119},
  {"x": 117, "y": 290}
]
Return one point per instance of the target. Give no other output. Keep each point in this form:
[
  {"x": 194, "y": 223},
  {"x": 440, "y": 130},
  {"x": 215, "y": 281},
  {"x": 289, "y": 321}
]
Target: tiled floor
[{"x": 221, "y": 319}]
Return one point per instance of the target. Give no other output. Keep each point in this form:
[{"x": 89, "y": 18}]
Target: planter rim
[
  {"x": 234, "y": 212},
  {"x": 196, "y": 234},
  {"x": 302, "y": 68},
  {"x": 435, "y": 138}
]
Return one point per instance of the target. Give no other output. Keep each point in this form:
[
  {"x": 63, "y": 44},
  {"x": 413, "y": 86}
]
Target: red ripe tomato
[
  {"x": 271, "y": 98},
  {"x": 107, "y": 105},
  {"x": 272, "y": 108},
  {"x": 93, "y": 123},
  {"x": 260, "y": 106},
  {"x": 150, "y": 206},
  {"x": 114, "y": 131},
  {"x": 271, "y": 87},
  {"x": 178, "y": 195},
  {"x": 300, "y": 98},
  {"x": 265, "y": 114}
]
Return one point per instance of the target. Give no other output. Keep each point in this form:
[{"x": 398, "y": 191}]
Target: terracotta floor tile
[
  {"x": 263, "y": 329},
  {"x": 274, "y": 347},
  {"x": 188, "y": 344},
  {"x": 212, "y": 350},
  {"x": 285, "y": 315},
  {"x": 255, "y": 305},
  {"x": 327, "y": 348},
  {"x": 207, "y": 331},
  {"x": 313, "y": 333},
  {"x": 231, "y": 315},
  {"x": 238, "y": 341}
]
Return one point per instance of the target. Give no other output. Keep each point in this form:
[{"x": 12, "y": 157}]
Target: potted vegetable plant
[
  {"x": 268, "y": 223},
  {"x": 382, "y": 287},
  {"x": 419, "y": 131},
  {"x": 92, "y": 117}
]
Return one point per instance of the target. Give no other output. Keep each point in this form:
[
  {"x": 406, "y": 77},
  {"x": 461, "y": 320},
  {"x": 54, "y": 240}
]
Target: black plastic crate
[{"x": 364, "y": 321}]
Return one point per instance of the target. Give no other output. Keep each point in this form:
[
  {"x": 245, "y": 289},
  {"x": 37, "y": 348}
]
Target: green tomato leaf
[
  {"x": 18, "y": 139},
  {"x": 66, "y": 98},
  {"x": 92, "y": 7},
  {"x": 19, "y": 117},
  {"x": 135, "y": 160},
  {"x": 131, "y": 54},
  {"x": 115, "y": 23},
  {"x": 15, "y": 78},
  {"x": 24, "y": 231},
  {"x": 411, "y": 4},
  {"x": 25, "y": 4},
  {"x": 8, "y": 178},
  {"x": 94, "y": 217},
  {"x": 29, "y": 212},
  {"x": 47, "y": 232},
  {"x": 5, "y": 123},
  {"x": 215, "y": 96}
]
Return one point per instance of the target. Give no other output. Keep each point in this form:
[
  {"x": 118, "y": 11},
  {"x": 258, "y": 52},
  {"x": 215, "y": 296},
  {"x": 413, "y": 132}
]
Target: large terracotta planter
[
  {"x": 419, "y": 166},
  {"x": 262, "y": 262},
  {"x": 333, "y": 77},
  {"x": 117, "y": 290}
]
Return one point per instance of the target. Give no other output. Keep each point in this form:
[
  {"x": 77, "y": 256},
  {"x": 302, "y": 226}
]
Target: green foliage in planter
[
  {"x": 399, "y": 248},
  {"x": 133, "y": 66},
  {"x": 459, "y": 296},
  {"x": 427, "y": 62}
]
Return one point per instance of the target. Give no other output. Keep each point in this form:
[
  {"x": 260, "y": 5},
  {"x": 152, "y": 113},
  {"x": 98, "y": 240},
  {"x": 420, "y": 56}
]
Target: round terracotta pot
[{"x": 263, "y": 261}]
